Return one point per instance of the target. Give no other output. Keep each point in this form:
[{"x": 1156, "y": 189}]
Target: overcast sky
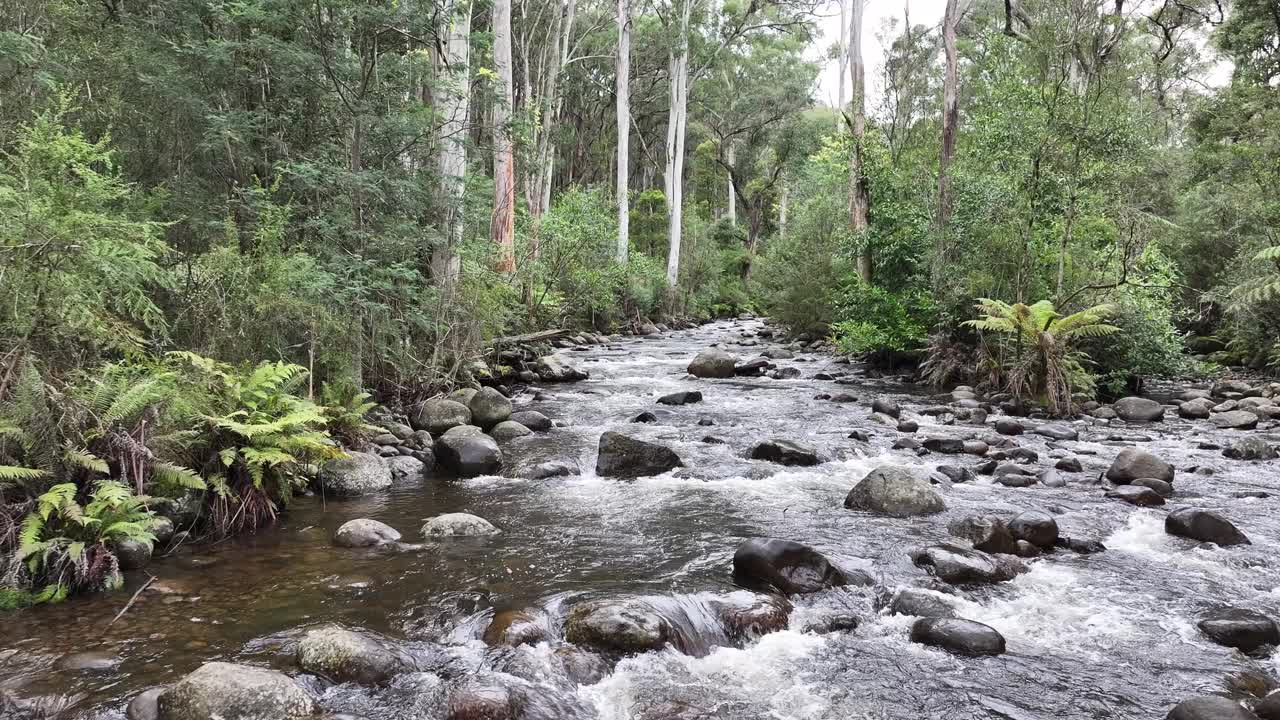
[{"x": 923, "y": 12}]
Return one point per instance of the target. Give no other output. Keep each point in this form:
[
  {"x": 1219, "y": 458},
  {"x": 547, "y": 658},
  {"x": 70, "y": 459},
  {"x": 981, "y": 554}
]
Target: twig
[{"x": 132, "y": 600}]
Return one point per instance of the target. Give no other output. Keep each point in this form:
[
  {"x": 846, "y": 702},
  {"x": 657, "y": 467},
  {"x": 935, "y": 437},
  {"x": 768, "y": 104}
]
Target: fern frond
[
  {"x": 171, "y": 475},
  {"x": 81, "y": 458},
  {"x": 11, "y": 474}
]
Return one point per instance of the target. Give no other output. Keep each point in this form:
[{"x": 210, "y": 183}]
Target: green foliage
[
  {"x": 879, "y": 322},
  {"x": 345, "y": 407}
]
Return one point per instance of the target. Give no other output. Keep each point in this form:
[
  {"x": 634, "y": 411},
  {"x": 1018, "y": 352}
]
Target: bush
[{"x": 882, "y": 324}]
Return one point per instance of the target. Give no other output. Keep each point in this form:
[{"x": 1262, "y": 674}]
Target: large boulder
[
  {"x": 955, "y": 635},
  {"x": 341, "y": 655},
  {"x": 1235, "y": 420},
  {"x": 468, "y": 454},
  {"x": 406, "y": 466},
  {"x": 962, "y": 566},
  {"x": 488, "y": 408},
  {"x": 145, "y": 705},
  {"x": 1139, "y": 495},
  {"x": 896, "y": 491},
  {"x": 919, "y": 602},
  {"x": 624, "y": 626},
  {"x": 132, "y": 554},
  {"x": 1197, "y": 409},
  {"x": 532, "y": 419},
  {"x": 356, "y": 474},
  {"x": 1205, "y": 526},
  {"x": 783, "y": 566},
  {"x": 1209, "y": 707},
  {"x": 627, "y": 457},
  {"x": 987, "y": 533},
  {"x": 785, "y": 452},
  {"x": 713, "y": 363},
  {"x": 458, "y": 525},
  {"x": 553, "y": 368},
  {"x": 508, "y": 430},
  {"x": 1251, "y": 448},
  {"x": 363, "y": 532},
  {"x": 226, "y": 691},
  {"x": 438, "y": 415},
  {"x": 1138, "y": 410},
  {"x": 1037, "y": 528},
  {"x": 1133, "y": 463},
  {"x": 1242, "y": 629}
]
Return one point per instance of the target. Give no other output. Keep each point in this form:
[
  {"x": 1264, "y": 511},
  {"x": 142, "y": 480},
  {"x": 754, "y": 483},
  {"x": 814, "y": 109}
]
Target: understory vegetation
[{"x": 227, "y": 230}]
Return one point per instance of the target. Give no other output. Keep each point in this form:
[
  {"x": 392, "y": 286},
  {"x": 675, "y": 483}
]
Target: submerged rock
[
  {"x": 784, "y": 566},
  {"x": 684, "y": 397},
  {"x": 518, "y": 627},
  {"x": 363, "y": 532},
  {"x": 1244, "y": 630},
  {"x": 145, "y": 705},
  {"x": 785, "y": 452},
  {"x": 962, "y": 637},
  {"x": 226, "y": 691},
  {"x": 617, "y": 626},
  {"x": 896, "y": 491},
  {"x": 626, "y": 457},
  {"x": 357, "y": 474},
  {"x": 342, "y": 655},
  {"x": 1205, "y": 526}
]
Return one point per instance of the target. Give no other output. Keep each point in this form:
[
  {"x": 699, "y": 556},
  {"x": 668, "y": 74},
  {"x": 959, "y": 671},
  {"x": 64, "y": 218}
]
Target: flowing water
[{"x": 1110, "y": 635}]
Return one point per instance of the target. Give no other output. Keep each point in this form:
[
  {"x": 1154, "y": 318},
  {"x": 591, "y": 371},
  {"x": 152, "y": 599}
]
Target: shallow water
[{"x": 1110, "y": 635}]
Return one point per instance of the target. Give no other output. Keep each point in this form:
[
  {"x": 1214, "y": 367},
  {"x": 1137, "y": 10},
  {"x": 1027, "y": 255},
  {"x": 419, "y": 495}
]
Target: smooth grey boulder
[
  {"x": 1139, "y": 495},
  {"x": 626, "y": 457},
  {"x": 986, "y": 533},
  {"x": 1242, "y": 629},
  {"x": 533, "y": 420},
  {"x": 895, "y": 491},
  {"x": 488, "y": 408},
  {"x": 1138, "y": 410},
  {"x": 468, "y": 453},
  {"x": 550, "y": 469},
  {"x": 341, "y": 655},
  {"x": 508, "y": 430},
  {"x": 784, "y": 566},
  {"x": 962, "y": 566},
  {"x": 1133, "y": 463},
  {"x": 132, "y": 554},
  {"x": 1209, "y": 707},
  {"x": 227, "y": 691},
  {"x": 356, "y": 474},
  {"x": 920, "y": 603},
  {"x": 1198, "y": 409},
  {"x": 624, "y": 626},
  {"x": 405, "y": 466},
  {"x": 712, "y": 363},
  {"x": 886, "y": 406},
  {"x": 439, "y": 414},
  {"x": 785, "y": 452},
  {"x": 145, "y": 705},
  {"x": 1037, "y": 528},
  {"x": 554, "y": 368},
  {"x": 1058, "y": 432},
  {"x": 1205, "y": 526},
  {"x": 1235, "y": 420},
  {"x": 959, "y": 636},
  {"x": 458, "y": 524},
  {"x": 364, "y": 532}
]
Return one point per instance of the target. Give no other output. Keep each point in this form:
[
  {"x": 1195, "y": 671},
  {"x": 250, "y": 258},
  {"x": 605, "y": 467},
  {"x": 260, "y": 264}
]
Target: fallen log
[{"x": 540, "y": 336}]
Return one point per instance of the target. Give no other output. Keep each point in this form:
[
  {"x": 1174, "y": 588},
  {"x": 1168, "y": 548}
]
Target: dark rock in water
[
  {"x": 686, "y": 397},
  {"x": 988, "y": 468},
  {"x": 960, "y": 566},
  {"x": 145, "y": 705},
  {"x": 1225, "y": 388},
  {"x": 1235, "y": 420},
  {"x": 907, "y": 443},
  {"x": 1268, "y": 709},
  {"x": 956, "y": 474},
  {"x": 712, "y": 363},
  {"x": 341, "y": 655},
  {"x": 1084, "y": 547},
  {"x": 920, "y": 603},
  {"x": 1071, "y": 465},
  {"x": 987, "y": 533},
  {"x": 468, "y": 455},
  {"x": 895, "y": 491},
  {"x": 785, "y": 373},
  {"x": 785, "y": 452},
  {"x": 1209, "y": 707},
  {"x": 1252, "y": 448},
  {"x": 744, "y": 615},
  {"x": 623, "y": 626},
  {"x": 483, "y": 697},
  {"x": 712, "y": 440},
  {"x": 859, "y": 436},
  {"x": 437, "y": 416},
  {"x": 1027, "y": 550},
  {"x": 754, "y": 367},
  {"x": 1019, "y": 455},
  {"x": 1205, "y": 526},
  {"x": 843, "y": 398},
  {"x": 1009, "y": 426},
  {"x": 947, "y": 446},
  {"x": 533, "y": 420},
  {"x": 908, "y": 426},
  {"x": 784, "y": 566},
  {"x": 357, "y": 474},
  {"x": 1242, "y": 629},
  {"x": 512, "y": 627},
  {"x": 1058, "y": 432},
  {"x": 706, "y": 422},
  {"x": 1138, "y": 410},
  {"x": 1160, "y": 487},
  {"x": 1037, "y": 528},
  {"x": 962, "y": 637},
  {"x": 1015, "y": 476},
  {"x": 488, "y": 408},
  {"x": 132, "y": 554},
  {"x": 625, "y": 457},
  {"x": 645, "y": 417},
  {"x": 553, "y": 368},
  {"x": 1136, "y": 495},
  {"x": 976, "y": 447},
  {"x": 551, "y": 469},
  {"x": 886, "y": 406},
  {"x": 225, "y": 691},
  {"x": 1133, "y": 463},
  {"x": 363, "y": 532}
]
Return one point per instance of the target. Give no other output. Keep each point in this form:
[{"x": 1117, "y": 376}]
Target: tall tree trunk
[
  {"x": 624, "y": 129},
  {"x": 733, "y": 193},
  {"x": 842, "y": 49},
  {"x": 950, "y": 119},
  {"x": 455, "y": 101},
  {"x": 503, "y": 226},
  {"x": 782, "y": 210},
  {"x": 858, "y": 197},
  {"x": 677, "y": 114}
]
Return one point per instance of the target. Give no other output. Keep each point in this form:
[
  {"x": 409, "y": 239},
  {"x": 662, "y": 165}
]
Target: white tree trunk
[
  {"x": 950, "y": 120},
  {"x": 843, "y": 56},
  {"x": 729, "y": 156},
  {"x": 503, "y": 228},
  {"x": 455, "y": 100},
  {"x": 858, "y": 200},
  {"x": 678, "y": 115},
  {"x": 624, "y": 130},
  {"x": 782, "y": 210}
]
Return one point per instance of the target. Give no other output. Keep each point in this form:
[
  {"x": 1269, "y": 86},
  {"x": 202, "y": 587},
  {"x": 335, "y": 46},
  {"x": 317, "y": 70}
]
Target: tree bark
[
  {"x": 678, "y": 114},
  {"x": 503, "y": 226},
  {"x": 455, "y": 101},
  {"x": 950, "y": 119},
  {"x": 859, "y": 200},
  {"x": 624, "y": 130}
]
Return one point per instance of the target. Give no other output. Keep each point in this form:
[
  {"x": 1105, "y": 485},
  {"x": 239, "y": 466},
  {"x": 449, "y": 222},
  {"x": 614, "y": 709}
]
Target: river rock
[
  {"x": 645, "y": 417},
  {"x": 1037, "y": 528},
  {"x": 512, "y": 627},
  {"x": 785, "y": 452},
  {"x": 1138, "y": 410},
  {"x": 908, "y": 426},
  {"x": 226, "y": 691},
  {"x": 1209, "y": 707},
  {"x": 356, "y": 474},
  {"x": 145, "y": 705},
  {"x": 132, "y": 554},
  {"x": 712, "y": 363},
  {"x": 533, "y": 420},
  {"x": 895, "y": 491},
  {"x": 1227, "y": 388},
  {"x": 508, "y": 430},
  {"x": 962, "y": 637},
  {"x": 1070, "y": 464},
  {"x": 554, "y": 368},
  {"x": 886, "y": 406},
  {"x": 458, "y": 524},
  {"x": 468, "y": 453},
  {"x": 955, "y": 473},
  {"x": 987, "y": 533},
  {"x": 1061, "y": 433},
  {"x": 364, "y": 532},
  {"x": 1242, "y": 629},
  {"x": 743, "y": 615},
  {"x": 341, "y": 655},
  {"x": 1133, "y": 463},
  {"x": 944, "y": 445},
  {"x": 1268, "y": 709},
  {"x": 1010, "y": 475},
  {"x": 1205, "y": 526},
  {"x": 1160, "y": 487},
  {"x": 462, "y": 395},
  {"x": 1009, "y": 426},
  {"x": 1136, "y": 495},
  {"x": 550, "y": 469},
  {"x": 783, "y": 566},
  {"x": 438, "y": 415},
  {"x": 488, "y": 408},
  {"x": 1235, "y": 420},
  {"x": 684, "y": 397},
  {"x": 623, "y": 626},
  {"x": 1251, "y": 448},
  {"x": 626, "y": 457},
  {"x": 1198, "y": 409},
  {"x": 919, "y": 602},
  {"x": 961, "y": 566},
  {"x": 405, "y": 466}
]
